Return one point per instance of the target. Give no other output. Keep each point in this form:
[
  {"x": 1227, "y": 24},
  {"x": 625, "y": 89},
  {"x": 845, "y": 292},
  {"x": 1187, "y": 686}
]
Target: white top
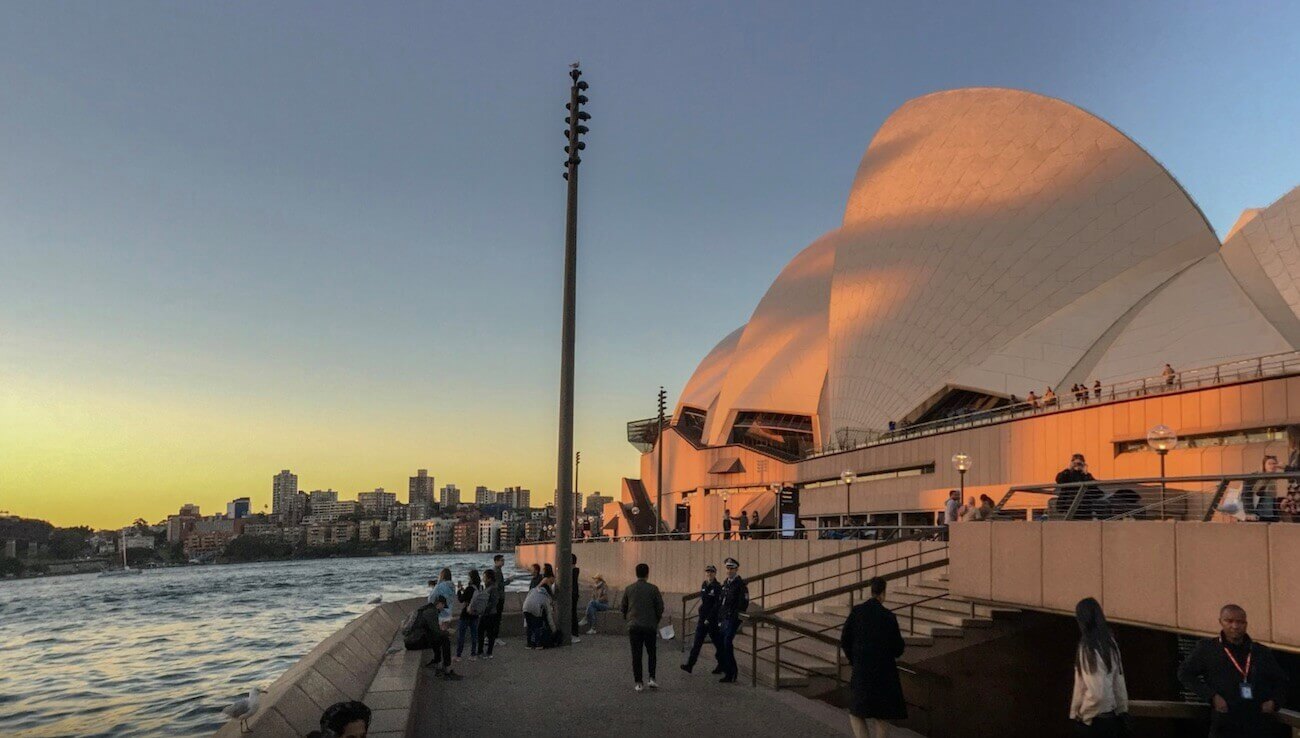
[{"x": 1099, "y": 691}]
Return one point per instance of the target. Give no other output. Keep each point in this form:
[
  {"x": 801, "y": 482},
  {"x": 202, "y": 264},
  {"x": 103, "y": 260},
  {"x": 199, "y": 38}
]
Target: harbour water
[{"x": 162, "y": 652}]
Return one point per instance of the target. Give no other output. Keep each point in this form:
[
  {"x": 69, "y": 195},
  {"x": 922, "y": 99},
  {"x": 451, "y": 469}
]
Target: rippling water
[{"x": 161, "y": 653}]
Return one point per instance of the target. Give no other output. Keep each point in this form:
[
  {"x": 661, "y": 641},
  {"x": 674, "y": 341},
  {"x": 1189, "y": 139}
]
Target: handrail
[
  {"x": 1078, "y": 488},
  {"x": 848, "y": 588},
  {"x": 1171, "y": 710},
  {"x": 749, "y": 534}
]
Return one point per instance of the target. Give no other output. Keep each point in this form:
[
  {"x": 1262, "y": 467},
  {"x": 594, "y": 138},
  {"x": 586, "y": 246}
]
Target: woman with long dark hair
[{"x": 1099, "y": 706}]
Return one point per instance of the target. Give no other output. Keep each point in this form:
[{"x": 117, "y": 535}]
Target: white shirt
[
  {"x": 1098, "y": 691},
  {"x": 950, "y": 509}
]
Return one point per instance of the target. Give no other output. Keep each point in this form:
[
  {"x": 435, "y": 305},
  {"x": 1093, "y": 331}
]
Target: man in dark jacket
[
  {"x": 706, "y": 623},
  {"x": 1071, "y": 477},
  {"x": 490, "y": 626},
  {"x": 871, "y": 642},
  {"x": 734, "y": 601},
  {"x": 1238, "y": 677},
  {"x": 424, "y": 631},
  {"x": 643, "y": 607}
]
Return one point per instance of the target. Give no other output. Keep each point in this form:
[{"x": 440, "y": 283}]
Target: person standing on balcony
[
  {"x": 1069, "y": 482},
  {"x": 734, "y": 602},
  {"x": 1100, "y": 700},
  {"x": 1259, "y": 496},
  {"x": 1169, "y": 374},
  {"x": 706, "y": 621},
  {"x": 951, "y": 511},
  {"x": 1032, "y": 399},
  {"x": 1049, "y": 398},
  {"x": 744, "y": 525},
  {"x": 1240, "y": 678},
  {"x": 872, "y": 643},
  {"x": 1096, "y": 389},
  {"x": 642, "y": 608},
  {"x": 726, "y": 525}
]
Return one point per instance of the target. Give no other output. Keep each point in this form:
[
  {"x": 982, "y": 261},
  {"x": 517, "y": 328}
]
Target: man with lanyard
[
  {"x": 1238, "y": 677},
  {"x": 706, "y": 623},
  {"x": 734, "y": 601}
]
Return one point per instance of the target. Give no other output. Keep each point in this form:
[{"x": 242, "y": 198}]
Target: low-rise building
[
  {"x": 431, "y": 536},
  {"x": 509, "y": 536},
  {"x": 464, "y": 536},
  {"x": 207, "y": 541},
  {"x": 375, "y": 531},
  {"x": 489, "y": 534},
  {"x": 331, "y": 534}
]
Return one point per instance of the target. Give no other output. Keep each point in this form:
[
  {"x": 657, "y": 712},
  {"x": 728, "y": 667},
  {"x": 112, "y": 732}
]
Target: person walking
[
  {"x": 1099, "y": 704},
  {"x": 706, "y": 621},
  {"x": 872, "y": 642},
  {"x": 469, "y": 612},
  {"x": 490, "y": 625},
  {"x": 573, "y": 604},
  {"x": 734, "y": 602},
  {"x": 642, "y": 608},
  {"x": 599, "y": 602},
  {"x": 1240, "y": 678}
]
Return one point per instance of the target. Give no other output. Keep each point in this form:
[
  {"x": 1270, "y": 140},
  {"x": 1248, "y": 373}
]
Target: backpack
[
  {"x": 408, "y": 625},
  {"x": 479, "y": 602}
]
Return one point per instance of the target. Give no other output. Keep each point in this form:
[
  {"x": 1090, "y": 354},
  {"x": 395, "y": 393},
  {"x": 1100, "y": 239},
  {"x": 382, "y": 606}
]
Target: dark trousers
[
  {"x": 643, "y": 638},
  {"x": 488, "y": 630},
  {"x": 727, "y": 651},
  {"x": 438, "y": 642},
  {"x": 710, "y": 630},
  {"x": 1241, "y": 724},
  {"x": 1102, "y": 727},
  {"x": 536, "y": 625},
  {"x": 573, "y": 613},
  {"x": 467, "y": 623}
]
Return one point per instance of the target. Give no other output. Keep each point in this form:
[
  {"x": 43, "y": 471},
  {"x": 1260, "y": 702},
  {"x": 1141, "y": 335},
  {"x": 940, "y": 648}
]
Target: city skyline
[{"x": 329, "y": 238}]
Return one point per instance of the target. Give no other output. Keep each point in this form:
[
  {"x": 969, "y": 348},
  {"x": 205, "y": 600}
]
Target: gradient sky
[{"x": 240, "y": 237}]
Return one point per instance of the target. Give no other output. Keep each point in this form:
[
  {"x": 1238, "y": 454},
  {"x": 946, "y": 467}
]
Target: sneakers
[
  {"x": 651, "y": 684},
  {"x": 575, "y": 639},
  {"x": 582, "y": 623},
  {"x": 727, "y": 680},
  {"x": 487, "y": 656},
  {"x": 639, "y": 687},
  {"x": 591, "y": 632},
  {"x": 452, "y": 676},
  {"x": 472, "y": 657}
]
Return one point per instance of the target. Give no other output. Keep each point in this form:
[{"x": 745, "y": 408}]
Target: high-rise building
[
  {"x": 420, "y": 494},
  {"x": 489, "y": 534},
  {"x": 321, "y": 498},
  {"x": 464, "y": 535},
  {"x": 238, "y": 508},
  {"x": 484, "y": 496},
  {"x": 596, "y": 503},
  {"x": 449, "y": 497},
  {"x": 378, "y": 504},
  {"x": 284, "y": 491},
  {"x": 516, "y": 498}
]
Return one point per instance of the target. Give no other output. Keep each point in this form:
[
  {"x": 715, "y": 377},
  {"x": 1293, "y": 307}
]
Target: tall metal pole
[
  {"x": 659, "y": 474},
  {"x": 564, "y": 473},
  {"x": 577, "y": 496}
]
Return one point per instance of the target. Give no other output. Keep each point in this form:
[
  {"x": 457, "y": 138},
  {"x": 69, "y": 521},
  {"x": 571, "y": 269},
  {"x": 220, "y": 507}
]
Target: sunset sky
[{"x": 241, "y": 237}]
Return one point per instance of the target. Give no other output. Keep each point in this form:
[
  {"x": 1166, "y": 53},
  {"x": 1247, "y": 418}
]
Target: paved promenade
[{"x": 586, "y": 689}]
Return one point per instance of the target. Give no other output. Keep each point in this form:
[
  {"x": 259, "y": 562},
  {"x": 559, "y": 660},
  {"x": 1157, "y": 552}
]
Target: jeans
[
  {"x": 710, "y": 630},
  {"x": 488, "y": 630},
  {"x": 536, "y": 626},
  {"x": 727, "y": 653},
  {"x": 467, "y": 623},
  {"x": 594, "y": 607},
  {"x": 647, "y": 638}
]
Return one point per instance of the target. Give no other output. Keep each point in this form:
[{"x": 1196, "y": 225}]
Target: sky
[{"x": 240, "y": 237}]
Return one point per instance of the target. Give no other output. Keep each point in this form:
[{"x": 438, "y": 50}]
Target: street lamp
[
  {"x": 847, "y": 476},
  {"x": 565, "y": 466},
  {"x": 659, "y": 474},
  {"x": 961, "y": 462},
  {"x": 1162, "y": 439}
]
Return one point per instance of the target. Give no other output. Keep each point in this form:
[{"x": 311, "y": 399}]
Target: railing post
[
  {"x": 682, "y": 645},
  {"x": 753, "y": 653},
  {"x": 776, "y": 674}
]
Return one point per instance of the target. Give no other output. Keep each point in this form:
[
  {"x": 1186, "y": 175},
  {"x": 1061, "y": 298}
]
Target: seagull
[
  {"x": 574, "y": 65},
  {"x": 378, "y": 599},
  {"x": 244, "y": 708}
]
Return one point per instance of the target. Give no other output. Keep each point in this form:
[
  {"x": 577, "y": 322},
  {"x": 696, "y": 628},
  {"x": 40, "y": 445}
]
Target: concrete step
[
  {"x": 930, "y": 612},
  {"x": 790, "y": 678},
  {"x": 821, "y": 620},
  {"x": 804, "y": 654},
  {"x": 920, "y": 626}
]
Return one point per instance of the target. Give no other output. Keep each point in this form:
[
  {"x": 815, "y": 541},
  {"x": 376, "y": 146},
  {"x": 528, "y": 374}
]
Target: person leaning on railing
[{"x": 1259, "y": 496}]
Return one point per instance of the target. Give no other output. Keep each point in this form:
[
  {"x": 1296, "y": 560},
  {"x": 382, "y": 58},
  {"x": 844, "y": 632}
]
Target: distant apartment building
[
  {"x": 238, "y": 508},
  {"x": 378, "y": 504},
  {"x": 596, "y": 503},
  {"x": 484, "y": 496},
  {"x": 533, "y": 530},
  {"x": 431, "y": 536},
  {"x": 320, "y": 497},
  {"x": 509, "y": 536},
  {"x": 328, "y": 512},
  {"x": 285, "y": 500},
  {"x": 516, "y": 498},
  {"x": 132, "y": 538},
  {"x": 489, "y": 534},
  {"x": 331, "y": 534},
  {"x": 420, "y": 496},
  {"x": 375, "y": 531},
  {"x": 180, "y": 525},
  {"x": 209, "y": 535},
  {"x": 449, "y": 497},
  {"x": 464, "y": 535},
  {"x": 190, "y": 509},
  {"x": 272, "y": 531}
]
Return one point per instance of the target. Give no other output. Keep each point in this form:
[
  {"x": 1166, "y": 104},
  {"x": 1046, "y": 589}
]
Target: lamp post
[
  {"x": 564, "y": 472},
  {"x": 961, "y": 462},
  {"x": 659, "y": 475},
  {"x": 847, "y": 476},
  {"x": 1162, "y": 439},
  {"x": 577, "y": 496}
]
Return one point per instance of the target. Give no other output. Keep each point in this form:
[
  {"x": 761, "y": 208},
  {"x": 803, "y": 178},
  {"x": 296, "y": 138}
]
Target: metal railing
[
  {"x": 1171, "y": 710},
  {"x": 891, "y": 533},
  {"x": 1143, "y": 498},
  {"x": 1272, "y": 365}
]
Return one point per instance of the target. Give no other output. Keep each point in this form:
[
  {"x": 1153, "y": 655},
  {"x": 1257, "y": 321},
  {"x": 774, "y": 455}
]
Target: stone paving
[{"x": 586, "y": 689}]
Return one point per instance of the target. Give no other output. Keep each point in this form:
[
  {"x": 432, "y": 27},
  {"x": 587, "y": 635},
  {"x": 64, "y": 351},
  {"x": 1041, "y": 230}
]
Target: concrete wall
[
  {"x": 339, "y": 668},
  {"x": 1164, "y": 574},
  {"x": 678, "y": 566}
]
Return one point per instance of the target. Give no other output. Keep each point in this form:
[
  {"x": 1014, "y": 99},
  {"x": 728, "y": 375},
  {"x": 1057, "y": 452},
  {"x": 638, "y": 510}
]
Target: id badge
[{"x": 1246, "y": 692}]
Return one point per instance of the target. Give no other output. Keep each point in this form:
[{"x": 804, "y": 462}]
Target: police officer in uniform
[
  {"x": 735, "y": 600},
  {"x": 706, "y": 623}
]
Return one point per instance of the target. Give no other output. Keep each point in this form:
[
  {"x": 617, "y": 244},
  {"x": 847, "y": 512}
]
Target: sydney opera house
[{"x": 994, "y": 243}]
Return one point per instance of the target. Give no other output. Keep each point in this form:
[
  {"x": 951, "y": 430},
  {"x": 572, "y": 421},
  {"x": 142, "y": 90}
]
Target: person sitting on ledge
[
  {"x": 599, "y": 602},
  {"x": 344, "y": 720},
  {"x": 426, "y": 629}
]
